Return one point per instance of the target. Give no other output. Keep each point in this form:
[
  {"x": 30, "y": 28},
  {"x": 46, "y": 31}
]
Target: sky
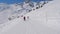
[{"x": 14, "y": 1}]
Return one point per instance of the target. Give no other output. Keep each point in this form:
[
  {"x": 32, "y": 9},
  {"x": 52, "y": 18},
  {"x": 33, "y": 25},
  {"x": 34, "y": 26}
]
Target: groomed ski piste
[{"x": 45, "y": 20}]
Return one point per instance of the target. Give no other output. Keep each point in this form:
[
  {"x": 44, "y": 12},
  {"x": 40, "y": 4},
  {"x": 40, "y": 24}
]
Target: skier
[
  {"x": 24, "y": 18},
  {"x": 27, "y": 17}
]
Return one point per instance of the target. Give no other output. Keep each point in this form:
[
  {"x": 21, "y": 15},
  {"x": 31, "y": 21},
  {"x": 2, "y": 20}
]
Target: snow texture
[{"x": 45, "y": 20}]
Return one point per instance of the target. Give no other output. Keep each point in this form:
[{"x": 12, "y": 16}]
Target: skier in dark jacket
[{"x": 24, "y": 18}]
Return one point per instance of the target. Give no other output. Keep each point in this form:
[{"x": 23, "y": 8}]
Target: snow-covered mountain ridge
[{"x": 10, "y": 12}]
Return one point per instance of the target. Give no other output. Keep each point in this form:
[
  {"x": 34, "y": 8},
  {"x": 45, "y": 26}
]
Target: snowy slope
[{"x": 45, "y": 20}]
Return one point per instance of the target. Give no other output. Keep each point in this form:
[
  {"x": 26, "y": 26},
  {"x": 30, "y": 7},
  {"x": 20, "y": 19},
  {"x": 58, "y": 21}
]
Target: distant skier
[
  {"x": 24, "y": 18},
  {"x": 27, "y": 17}
]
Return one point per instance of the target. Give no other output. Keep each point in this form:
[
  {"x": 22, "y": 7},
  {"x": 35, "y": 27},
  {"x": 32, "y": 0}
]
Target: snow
[{"x": 45, "y": 20}]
